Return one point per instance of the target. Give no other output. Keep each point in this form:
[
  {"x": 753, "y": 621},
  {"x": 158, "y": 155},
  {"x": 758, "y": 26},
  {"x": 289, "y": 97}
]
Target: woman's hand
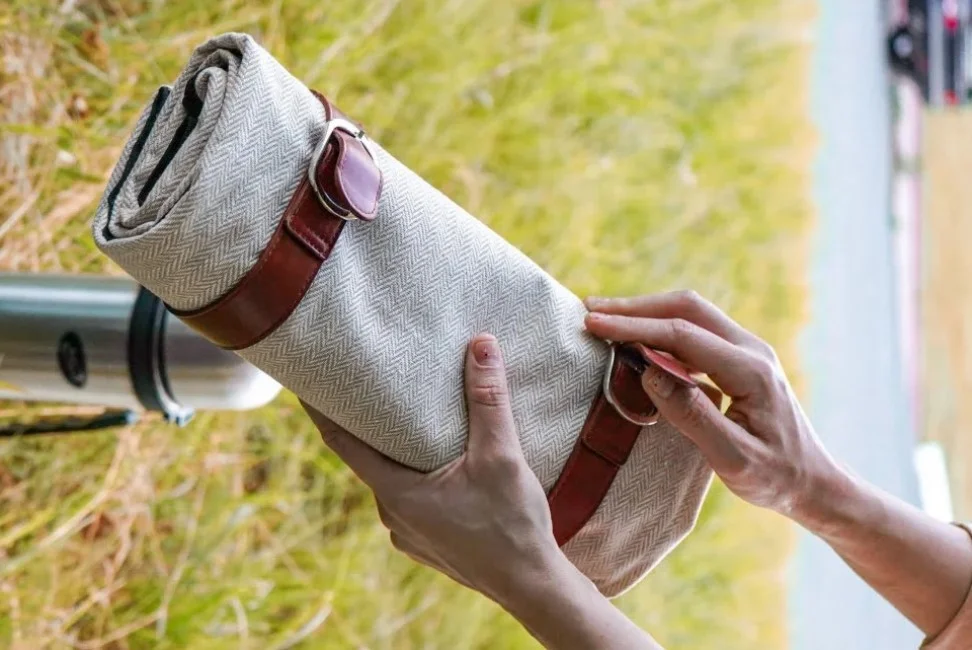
[
  {"x": 763, "y": 447},
  {"x": 765, "y": 451},
  {"x": 484, "y": 521}
]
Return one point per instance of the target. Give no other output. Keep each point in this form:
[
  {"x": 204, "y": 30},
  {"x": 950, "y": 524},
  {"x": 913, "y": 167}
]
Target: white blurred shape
[{"x": 933, "y": 486}]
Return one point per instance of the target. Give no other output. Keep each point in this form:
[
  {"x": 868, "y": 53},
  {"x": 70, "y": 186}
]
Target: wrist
[
  {"x": 559, "y": 606},
  {"x": 548, "y": 589},
  {"x": 832, "y": 501},
  {"x": 532, "y": 580}
]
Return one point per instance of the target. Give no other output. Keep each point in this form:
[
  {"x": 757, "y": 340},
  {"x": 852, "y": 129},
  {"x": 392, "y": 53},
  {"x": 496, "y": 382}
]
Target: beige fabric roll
[{"x": 377, "y": 342}]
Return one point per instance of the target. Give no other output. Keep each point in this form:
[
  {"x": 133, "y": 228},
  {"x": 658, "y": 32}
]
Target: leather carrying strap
[
  {"x": 348, "y": 174},
  {"x": 606, "y": 440}
]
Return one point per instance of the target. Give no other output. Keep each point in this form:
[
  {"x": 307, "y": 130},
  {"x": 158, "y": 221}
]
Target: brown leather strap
[
  {"x": 606, "y": 441},
  {"x": 303, "y": 240}
]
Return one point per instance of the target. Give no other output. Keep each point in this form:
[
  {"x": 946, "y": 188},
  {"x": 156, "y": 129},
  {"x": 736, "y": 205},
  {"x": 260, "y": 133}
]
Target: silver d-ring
[
  {"x": 352, "y": 129},
  {"x": 608, "y": 391}
]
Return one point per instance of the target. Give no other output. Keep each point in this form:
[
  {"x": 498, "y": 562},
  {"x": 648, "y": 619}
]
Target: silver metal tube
[{"x": 68, "y": 338}]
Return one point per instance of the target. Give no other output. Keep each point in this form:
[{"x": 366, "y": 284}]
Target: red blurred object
[{"x": 667, "y": 363}]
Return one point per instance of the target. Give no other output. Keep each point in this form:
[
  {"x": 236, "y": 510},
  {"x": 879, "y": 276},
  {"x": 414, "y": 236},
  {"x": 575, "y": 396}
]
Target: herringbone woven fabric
[{"x": 377, "y": 342}]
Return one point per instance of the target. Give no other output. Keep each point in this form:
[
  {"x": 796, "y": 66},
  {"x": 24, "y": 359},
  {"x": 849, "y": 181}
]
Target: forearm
[
  {"x": 563, "y": 609},
  {"x": 921, "y": 566}
]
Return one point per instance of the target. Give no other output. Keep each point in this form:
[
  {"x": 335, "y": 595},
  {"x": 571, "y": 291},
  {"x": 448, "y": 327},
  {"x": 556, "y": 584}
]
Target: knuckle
[
  {"x": 695, "y": 406},
  {"x": 500, "y": 463},
  {"x": 489, "y": 391},
  {"x": 765, "y": 372},
  {"x": 508, "y": 463},
  {"x": 763, "y": 349},
  {"x": 688, "y": 299},
  {"x": 681, "y": 331}
]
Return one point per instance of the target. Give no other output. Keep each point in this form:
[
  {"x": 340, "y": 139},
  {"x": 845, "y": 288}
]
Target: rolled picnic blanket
[{"x": 266, "y": 219}]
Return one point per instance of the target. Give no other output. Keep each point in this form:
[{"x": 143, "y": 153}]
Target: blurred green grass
[{"x": 627, "y": 146}]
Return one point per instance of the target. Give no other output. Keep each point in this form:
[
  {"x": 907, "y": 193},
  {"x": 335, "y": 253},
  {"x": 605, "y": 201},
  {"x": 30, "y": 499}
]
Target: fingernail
[
  {"x": 594, "y": 302},
  {"x": 597, "y": 318},
  {"x": 487, "y": 352},
  {"x": 658, "y": 382}
]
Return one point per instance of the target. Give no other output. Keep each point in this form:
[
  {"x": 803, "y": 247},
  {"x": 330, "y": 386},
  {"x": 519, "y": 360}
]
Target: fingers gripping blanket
[{"x": 266, "y": 219}]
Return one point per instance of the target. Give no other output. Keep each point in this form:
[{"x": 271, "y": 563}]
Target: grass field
[
  {"x": 947, "y": 296},
  {"x": 626, "y": 146}
]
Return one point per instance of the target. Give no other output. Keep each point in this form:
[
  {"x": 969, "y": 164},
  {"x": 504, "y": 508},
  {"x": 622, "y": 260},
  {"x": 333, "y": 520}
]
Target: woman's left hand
[{"x": 482, "y": 519}]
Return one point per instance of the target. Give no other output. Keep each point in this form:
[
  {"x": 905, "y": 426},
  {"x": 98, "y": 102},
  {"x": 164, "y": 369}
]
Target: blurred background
[{"x": 799, "y": 163}]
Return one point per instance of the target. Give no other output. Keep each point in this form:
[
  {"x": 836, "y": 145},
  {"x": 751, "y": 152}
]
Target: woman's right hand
[
  {"x": 763, "y": 448},
  {"x": 765, "y": 451}
]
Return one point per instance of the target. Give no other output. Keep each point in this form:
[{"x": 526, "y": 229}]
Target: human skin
[{"x": 483, "y": 519}]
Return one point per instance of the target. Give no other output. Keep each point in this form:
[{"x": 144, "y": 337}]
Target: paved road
[{"x": 851, "y": 350}]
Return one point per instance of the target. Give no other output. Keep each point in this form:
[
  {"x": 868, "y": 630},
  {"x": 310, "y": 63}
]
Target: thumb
[
  {"x": 491, "y": 425},
  {"x": 694, "y": 411}
]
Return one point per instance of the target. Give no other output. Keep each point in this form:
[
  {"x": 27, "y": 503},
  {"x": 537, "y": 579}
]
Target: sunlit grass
[{"x": 626, "y": 146}]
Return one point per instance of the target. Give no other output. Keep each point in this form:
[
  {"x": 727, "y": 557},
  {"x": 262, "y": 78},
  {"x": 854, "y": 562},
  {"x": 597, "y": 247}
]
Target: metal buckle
[
  {"x": 323, "y": 197},
  {"x": 608, "y": 391}
]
